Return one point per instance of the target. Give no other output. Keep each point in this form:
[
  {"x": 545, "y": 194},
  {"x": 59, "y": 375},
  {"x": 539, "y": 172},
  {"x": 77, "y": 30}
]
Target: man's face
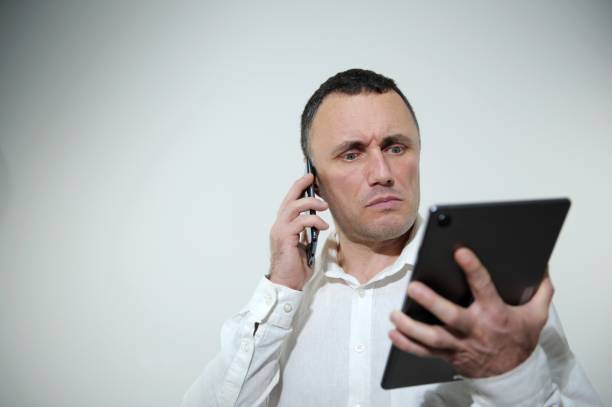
[{"x": 366, "y": 147}]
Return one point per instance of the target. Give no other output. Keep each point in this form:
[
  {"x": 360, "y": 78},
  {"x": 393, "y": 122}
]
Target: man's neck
[{"x": 364, "y": 260}]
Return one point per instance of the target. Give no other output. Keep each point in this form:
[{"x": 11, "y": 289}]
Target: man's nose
[{"x": 378, "y": 170}]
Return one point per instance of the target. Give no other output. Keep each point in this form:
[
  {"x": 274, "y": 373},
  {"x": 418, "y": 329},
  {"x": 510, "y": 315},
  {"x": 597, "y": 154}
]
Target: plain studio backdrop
[{"x": 145, "y": 149}]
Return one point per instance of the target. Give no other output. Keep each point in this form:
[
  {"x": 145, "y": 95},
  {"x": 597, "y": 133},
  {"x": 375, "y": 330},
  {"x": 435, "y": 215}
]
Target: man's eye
[
  {"x": 397, "y": 149},
  {"x": 350, "y": 156}
]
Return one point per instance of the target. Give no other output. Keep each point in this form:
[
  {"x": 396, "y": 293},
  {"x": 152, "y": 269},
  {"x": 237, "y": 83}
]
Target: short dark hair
[{"x": 350, "y": 82}]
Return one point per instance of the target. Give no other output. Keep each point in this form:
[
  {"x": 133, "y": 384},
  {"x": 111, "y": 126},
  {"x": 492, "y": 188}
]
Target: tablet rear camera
[{"x": 444, "y": 219}]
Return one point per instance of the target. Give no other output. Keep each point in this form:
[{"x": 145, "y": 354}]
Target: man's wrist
[
  {"x": 287, "y": 283},
  {"x": 286, "y": 302},
  {"x": 526, "y": 383}
]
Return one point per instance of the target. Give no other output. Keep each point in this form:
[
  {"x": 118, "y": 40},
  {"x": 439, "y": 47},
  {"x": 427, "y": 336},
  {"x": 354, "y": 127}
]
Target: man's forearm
[{"x": 247, "y": 368}]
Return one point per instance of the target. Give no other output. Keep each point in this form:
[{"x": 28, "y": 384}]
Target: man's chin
[{"x": 386, "y": 230}]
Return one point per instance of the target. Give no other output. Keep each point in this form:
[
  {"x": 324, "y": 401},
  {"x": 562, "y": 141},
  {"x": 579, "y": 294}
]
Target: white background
[{"x": 144, "y": 150}]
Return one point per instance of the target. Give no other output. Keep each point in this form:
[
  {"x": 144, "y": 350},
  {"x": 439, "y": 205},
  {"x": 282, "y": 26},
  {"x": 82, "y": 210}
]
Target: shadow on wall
[{"x": 4, "y": 187}]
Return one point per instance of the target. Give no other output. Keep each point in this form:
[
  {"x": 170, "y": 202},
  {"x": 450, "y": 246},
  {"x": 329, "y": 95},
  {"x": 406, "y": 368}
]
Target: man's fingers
[
  {"x": 446, "y": 311},
  {"x": 294, "y": 208},
  {"x": 304, "y": 221},
  {"x": 408, "y": 345},
  {"x": 405, "y": 344},
  {"x": 432, "y": 336},
  {"x": 478, "y": 277},
  {"x": 304, "y": 238},
  {"x": 540, "y": 303},
  {"x": 297, "y": 189}
]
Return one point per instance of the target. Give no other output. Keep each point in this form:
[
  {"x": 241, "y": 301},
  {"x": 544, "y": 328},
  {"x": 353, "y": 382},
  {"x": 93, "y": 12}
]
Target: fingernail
[{"x": 463, "y": 255}]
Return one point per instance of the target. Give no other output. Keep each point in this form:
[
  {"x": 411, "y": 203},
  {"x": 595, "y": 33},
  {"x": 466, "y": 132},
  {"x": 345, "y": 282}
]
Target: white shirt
[{"x": 327, "y": 346}]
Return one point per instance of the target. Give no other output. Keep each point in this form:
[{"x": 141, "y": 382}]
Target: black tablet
[{"x": 513, "y": 240}]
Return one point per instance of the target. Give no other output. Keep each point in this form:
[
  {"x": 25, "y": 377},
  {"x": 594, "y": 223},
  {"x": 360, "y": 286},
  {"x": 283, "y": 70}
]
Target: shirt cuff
[
  {"x": 274, "y": 303},
  {"x": 527, "y": 384}
]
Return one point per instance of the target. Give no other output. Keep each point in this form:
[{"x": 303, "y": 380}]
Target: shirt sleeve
[
  {"x": 246, "y": 369},
  {"x": 551, "y": 376}
]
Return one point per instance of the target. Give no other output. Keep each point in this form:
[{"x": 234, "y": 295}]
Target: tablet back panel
[{"x": 514, "y": 241}]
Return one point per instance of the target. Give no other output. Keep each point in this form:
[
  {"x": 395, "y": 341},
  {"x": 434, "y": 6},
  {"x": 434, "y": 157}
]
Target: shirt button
[
  {"x": 245, "y": 345},
  {"x": 287, "y": 307},
  {"x": 361, "y": 292},
  {"x": 359, "y": 348}
]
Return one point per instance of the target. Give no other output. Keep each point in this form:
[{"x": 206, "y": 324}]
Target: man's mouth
[{"x": 389, "y": 201}]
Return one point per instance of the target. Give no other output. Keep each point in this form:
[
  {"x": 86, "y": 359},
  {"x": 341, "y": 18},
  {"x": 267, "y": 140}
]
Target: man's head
[{"x": 361, "y": 134}]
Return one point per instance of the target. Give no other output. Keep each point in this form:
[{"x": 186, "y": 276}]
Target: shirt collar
[{"x": 328, "y": 263}]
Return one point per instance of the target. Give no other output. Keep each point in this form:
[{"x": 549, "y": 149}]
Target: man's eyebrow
[
  {"x": 396, "y": 139},
  {"x": 386, "y": 142},
  {"x": 347, "y": 145}
]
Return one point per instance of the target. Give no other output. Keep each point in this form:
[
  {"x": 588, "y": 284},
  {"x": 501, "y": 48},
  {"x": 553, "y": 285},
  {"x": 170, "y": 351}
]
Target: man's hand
[
  {"x": 288, "y": 263},
  {"x": 486, "y": 339}
]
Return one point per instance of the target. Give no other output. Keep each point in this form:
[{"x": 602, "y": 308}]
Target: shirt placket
[{"x": 360, "y": 347}]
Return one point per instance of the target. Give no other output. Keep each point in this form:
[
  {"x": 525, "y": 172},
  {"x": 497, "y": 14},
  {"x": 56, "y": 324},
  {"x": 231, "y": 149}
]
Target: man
[{"x": 320, "y": 337}]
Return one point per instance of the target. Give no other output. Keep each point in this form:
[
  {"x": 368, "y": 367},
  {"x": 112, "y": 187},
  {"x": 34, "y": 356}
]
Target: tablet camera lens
[{"x": 443, "y": 219}]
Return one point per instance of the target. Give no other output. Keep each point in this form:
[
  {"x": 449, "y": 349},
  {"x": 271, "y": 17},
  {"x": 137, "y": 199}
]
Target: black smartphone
[{"x": 311, "y": 249}]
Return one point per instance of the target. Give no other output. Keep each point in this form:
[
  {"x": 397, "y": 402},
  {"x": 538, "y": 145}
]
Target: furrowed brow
[
  {"x": 347, "y": 145},
  {"x": 386, "y": 142},
  {"x": 396, "y": 139}
]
